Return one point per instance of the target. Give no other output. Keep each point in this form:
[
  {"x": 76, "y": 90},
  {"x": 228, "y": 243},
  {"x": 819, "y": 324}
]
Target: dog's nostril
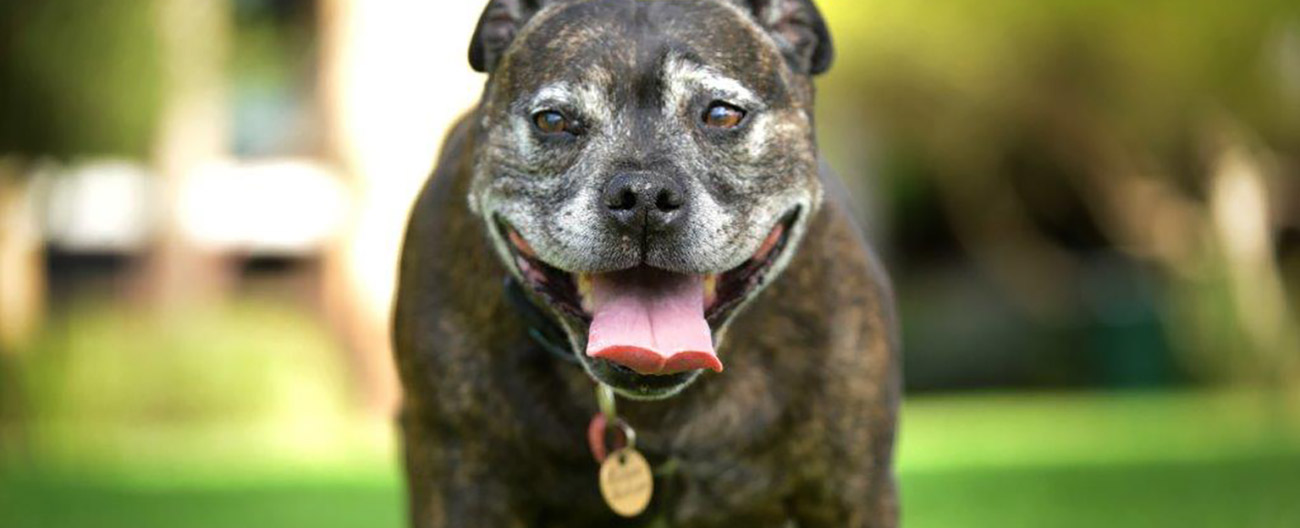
[
  {"x": 622, "y": 200},
  {"x": 667, "y": 200}
]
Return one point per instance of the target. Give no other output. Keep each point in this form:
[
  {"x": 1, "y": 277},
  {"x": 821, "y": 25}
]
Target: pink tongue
[{"x": 651, "y": 321}]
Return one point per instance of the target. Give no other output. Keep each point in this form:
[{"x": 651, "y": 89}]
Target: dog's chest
[{"x": 688, "y": 492}]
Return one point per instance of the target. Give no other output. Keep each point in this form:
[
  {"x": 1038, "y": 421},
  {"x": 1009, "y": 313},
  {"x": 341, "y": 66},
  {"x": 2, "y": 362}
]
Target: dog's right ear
[
  {"x": 497, "y": 27},
  {"x": 799, "y": 30}
]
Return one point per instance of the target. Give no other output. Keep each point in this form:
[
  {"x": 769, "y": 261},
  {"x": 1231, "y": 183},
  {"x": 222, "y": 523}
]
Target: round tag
[{"x": 626, "y": 482}]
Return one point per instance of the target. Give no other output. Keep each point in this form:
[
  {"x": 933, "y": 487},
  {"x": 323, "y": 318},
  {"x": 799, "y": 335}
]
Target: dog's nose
[{"x": 639, "y": 201}]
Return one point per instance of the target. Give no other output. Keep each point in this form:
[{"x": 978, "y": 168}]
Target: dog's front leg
[
  {"x": 844, "y": 503},
  {"x": 460, "y": 496},
  {"x": 452, "y": 485}
]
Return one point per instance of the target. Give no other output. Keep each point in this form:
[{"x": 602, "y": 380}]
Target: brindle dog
[{"x": 639, "y": 185}]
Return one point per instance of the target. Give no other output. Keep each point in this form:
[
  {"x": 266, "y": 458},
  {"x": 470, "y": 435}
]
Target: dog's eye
[
  {"x": 723, "y": 115},
  {"x": 551, "y": 122}
]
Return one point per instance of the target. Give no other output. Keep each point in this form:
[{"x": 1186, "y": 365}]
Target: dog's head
[{"x": 646, "y": 167}]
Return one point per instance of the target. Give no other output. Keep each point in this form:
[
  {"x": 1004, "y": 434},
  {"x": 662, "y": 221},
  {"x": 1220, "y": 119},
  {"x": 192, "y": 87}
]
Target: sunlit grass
[
  {"x": 1252, "y": 491},
  {"x": 1140, "y": 459},
  {"x": 1033, "y": 429}
]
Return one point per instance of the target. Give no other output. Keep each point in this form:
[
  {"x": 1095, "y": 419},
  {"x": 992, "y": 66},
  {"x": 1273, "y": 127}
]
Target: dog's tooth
[
  {"x": 710, "y": 289},
  {"x": 584, "y": 290}
]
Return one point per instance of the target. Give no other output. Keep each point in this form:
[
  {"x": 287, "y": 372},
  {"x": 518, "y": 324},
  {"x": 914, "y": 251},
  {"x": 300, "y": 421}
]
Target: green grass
[
  {"x": 1249, "y": 492},
  {"x": 45, "y": 501},
  {"x": 1185, "y": 460}
]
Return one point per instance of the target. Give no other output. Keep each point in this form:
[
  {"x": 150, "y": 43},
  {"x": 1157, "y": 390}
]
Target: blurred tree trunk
[
  {"x": 363, "y": 329},
  {"x": 393, "y": 80},
  {"x": 194, "y": 133},
  {"x": 1244, "y": 226},
  {"x": 22, "y": 266}
]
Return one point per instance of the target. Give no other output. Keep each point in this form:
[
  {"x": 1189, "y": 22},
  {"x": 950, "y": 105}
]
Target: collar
[{"x": 542, "y": 329}]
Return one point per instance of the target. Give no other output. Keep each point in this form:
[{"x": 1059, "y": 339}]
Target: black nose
[{"x": 644, "y": 200}]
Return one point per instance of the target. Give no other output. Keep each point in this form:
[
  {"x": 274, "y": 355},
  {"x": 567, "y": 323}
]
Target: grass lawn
[{"x": 1187, "y": 460}]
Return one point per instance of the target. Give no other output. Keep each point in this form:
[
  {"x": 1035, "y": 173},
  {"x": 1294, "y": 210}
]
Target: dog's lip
[
  {"x": 520, "y": 244},
  {"x": 555, "y": 285},
  {"x": 733, "y": 287},
  {"x": 644, "y": 385},
  {"x": 723, "y": 292}
]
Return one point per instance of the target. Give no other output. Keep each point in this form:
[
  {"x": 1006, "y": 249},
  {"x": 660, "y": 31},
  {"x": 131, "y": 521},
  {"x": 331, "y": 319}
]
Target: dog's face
[{"x": 645, "y": 167}]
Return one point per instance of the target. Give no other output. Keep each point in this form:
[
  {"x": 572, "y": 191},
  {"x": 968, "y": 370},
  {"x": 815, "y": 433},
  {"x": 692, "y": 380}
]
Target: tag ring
[
  {"x": 599, "y": 430},
  {"x": 629, "y": 434}
]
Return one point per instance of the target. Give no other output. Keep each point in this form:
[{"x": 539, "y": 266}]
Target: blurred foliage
[
  {"x": 273, "y": 72},
  {"x": 78, "y": 78},
  {"x": 1043, "y": 175},
  {"x": 965, "y": 71}
]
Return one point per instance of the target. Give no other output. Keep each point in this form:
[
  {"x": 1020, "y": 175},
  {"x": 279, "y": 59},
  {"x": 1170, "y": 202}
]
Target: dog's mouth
[{"x": 648, "y": 322}]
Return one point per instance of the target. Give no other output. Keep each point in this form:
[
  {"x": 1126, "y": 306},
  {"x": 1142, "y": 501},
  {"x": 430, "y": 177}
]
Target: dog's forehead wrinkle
[
  {"x": 598, "y": 77},
  {"x": 681, "y": 69},
  {"x": 630, "y": 36},
  {"x": 560, "y": 91}
]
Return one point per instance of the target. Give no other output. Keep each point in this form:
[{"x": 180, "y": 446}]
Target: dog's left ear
[
  {"x": 799, "y": 30},
  {"x": 497, "y": 26}
]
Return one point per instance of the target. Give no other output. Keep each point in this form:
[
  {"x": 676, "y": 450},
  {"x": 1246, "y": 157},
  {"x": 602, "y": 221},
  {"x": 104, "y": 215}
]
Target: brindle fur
[{"x": 798, "y": 428}]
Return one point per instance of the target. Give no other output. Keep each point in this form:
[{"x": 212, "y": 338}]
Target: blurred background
[{"x": 1090, "y": 208}]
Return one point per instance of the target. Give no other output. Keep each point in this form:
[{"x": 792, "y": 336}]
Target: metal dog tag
[{"x": 626, "y": 482}]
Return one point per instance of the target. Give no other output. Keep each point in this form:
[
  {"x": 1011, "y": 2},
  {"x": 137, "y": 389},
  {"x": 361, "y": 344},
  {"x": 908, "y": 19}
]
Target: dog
[{"x": 637, "y": 203}]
